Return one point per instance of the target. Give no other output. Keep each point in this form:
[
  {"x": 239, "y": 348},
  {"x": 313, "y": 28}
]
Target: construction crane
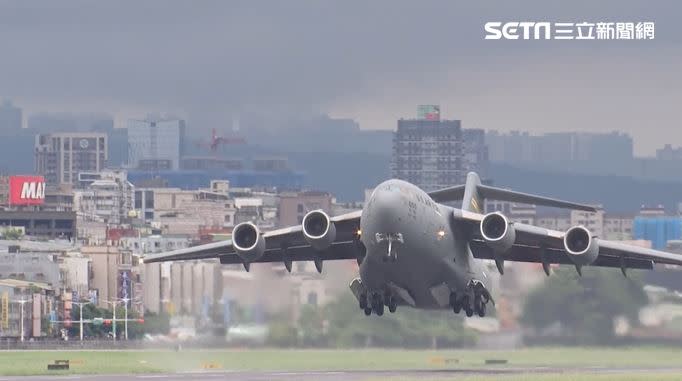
[{"x": 217, "y": 141}]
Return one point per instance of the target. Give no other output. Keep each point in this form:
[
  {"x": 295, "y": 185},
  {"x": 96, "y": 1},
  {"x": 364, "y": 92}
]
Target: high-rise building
[
  {"x": 585, "y": 152},
  {"x": 475, "y": 151},
  {"x": 155, "y": 144},
  {"x": 10, "y": 117},
  {"x": 429, "y": 152},
  {"x": 60, "y": 157}
]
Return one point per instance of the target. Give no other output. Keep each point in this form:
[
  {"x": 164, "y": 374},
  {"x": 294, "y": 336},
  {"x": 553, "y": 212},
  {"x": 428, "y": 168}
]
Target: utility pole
[
  {"x": 113, "y": 303},
  {"x": 22, "y": 302},
  {"x": 80, "y": 305},
  {"x": 125, "y": 305}
]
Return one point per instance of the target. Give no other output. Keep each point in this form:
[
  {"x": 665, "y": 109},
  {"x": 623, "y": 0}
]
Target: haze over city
[{"x": 371, "y": 62}]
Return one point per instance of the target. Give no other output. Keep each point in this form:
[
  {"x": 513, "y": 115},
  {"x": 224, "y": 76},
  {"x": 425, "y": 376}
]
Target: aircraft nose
[{"x": 386, "y": 208}]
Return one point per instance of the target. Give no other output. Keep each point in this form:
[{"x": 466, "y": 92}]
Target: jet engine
[
  {"x": 580, "y": 246},
  {"x": 318, "y": 229},
  {"x": 248, "y": 242},
  {"x": 498, "y": 233}
]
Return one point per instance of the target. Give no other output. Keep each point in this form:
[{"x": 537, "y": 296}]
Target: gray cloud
[{"x": 370, "y": 60}]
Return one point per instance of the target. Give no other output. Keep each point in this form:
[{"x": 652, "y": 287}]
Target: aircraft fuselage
[{"x": 426, "y": 251}]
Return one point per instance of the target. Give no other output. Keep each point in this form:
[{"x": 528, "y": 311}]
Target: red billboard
[{"x": 26, "y": 190}]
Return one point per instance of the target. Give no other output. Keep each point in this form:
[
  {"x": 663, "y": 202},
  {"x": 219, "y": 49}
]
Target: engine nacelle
[
  {"x": 498, "y": 233},
  {"x": 318, "y": 229},
  {"x": 248, "y": 242},
  {"x": 580, "y": 246}
]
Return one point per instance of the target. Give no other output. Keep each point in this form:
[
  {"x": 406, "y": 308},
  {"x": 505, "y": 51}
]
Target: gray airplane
[{"x": 414, "y": 250}]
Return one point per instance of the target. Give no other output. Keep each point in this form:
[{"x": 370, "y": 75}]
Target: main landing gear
[
  {"x": 473, "y": 300},
  {"x": 375, "y": 302}
]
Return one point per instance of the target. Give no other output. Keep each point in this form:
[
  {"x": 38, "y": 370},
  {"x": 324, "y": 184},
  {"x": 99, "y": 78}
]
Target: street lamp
[
  {"x": 22, "y": 302},
  {"x": 80, "y": 305},
  {"x": 113, "y": 303}
]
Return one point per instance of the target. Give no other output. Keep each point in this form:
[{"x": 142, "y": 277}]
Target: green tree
[
  {"x": 12, "y": 234},
  {"x": 156, "y": 324},
  {"x": 90, "y": 311},
  {"x": 586, "y": 306},
  {"x": 408, "y": 327},
  {"x": 282, "y": 334},
  {"x": 311, "y": 325}
]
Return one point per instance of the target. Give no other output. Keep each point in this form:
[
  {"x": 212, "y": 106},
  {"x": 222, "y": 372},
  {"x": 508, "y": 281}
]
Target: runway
[{"x": 346, "y": 375}]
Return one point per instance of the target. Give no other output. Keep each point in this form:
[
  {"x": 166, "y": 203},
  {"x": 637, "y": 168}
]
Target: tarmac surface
[{"x": 352, "y": 375}]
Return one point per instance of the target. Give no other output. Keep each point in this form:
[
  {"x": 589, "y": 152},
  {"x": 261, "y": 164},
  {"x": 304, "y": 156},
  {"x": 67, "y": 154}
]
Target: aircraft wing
[
  {"x": 546, "y": 246},
  {"x": 297, "y": 249}
]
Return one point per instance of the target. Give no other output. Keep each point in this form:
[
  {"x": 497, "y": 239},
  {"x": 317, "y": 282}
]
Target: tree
[
  {"x": 156, "y": 324},
  {"x": 585, "y": 306},
  {"x": 311, "y": 325},
  {"x": 281, "y": 334},
  {"x": 12, "y": 234},
  {"x": 408, "y": 327}
]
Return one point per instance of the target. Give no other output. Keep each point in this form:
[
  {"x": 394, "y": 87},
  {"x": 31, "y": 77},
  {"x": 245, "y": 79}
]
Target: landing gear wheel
[
  {"x": 392, "y": 305},
  {"x": 454, "y": 303},
  {"x": 378, "y": 304},
  {"x": 481, "y": 309},
  {"x": 363, "y": 301},
  {"x": 368, "y": 311},
  {"x": 470, "y": 312}
]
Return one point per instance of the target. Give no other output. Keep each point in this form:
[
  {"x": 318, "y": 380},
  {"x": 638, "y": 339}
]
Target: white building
[
  {"x": 558, "y": 222},
  {"x": 75, "y": 272},
  {"x": 593, "y": 221},
  {"x": 60, "y": 157},
  {"x": 521, "y": 213},
  {"x": 618, "y": 227},
  {"x": 107, "y": 199},
  {"x": 155, "y": 144},
  {"x": 145, "y": 244},
  {"x": 178, "y": 211}
]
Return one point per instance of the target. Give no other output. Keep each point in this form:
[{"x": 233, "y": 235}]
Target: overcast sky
[{"x": 373, "y": 61}]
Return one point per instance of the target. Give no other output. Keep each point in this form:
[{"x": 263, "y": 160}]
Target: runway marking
[{"x": 318, "y": 373}]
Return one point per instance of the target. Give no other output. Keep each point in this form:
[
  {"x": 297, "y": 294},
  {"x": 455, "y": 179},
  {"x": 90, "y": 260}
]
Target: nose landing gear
[{"x": 392, "y": 254}]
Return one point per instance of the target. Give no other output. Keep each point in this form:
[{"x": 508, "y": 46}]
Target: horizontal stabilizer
[
  {"x": 448, "y": 194},
  {"x": 473, "y": 194},
  {"x": 500, "y": 194}
]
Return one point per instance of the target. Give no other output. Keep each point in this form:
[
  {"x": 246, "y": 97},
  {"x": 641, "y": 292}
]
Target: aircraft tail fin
[
  {"x": 473, "y": 195},
  {"x": 472, "y": 199}
]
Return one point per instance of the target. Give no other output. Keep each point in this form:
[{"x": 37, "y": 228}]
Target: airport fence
[{"x": 10, "y": 344}]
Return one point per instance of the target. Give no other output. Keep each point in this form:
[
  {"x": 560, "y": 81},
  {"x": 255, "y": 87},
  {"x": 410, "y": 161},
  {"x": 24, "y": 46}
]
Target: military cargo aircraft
[{"x": 414, "y": 250}]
